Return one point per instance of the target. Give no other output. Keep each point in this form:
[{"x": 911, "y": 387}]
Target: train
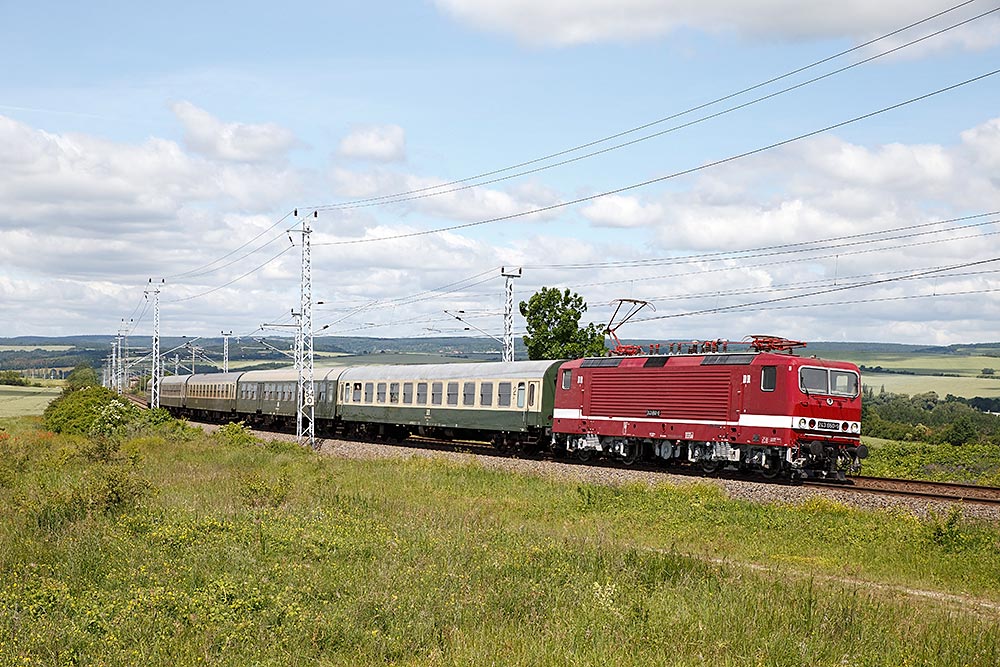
[{"x": 764, "y": 409}]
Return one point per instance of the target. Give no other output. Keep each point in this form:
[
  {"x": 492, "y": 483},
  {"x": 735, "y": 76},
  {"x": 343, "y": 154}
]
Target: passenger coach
[{"x": 505, "y": 403}]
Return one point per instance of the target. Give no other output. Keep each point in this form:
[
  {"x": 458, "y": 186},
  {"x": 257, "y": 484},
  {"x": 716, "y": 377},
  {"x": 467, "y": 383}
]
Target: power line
[
  {"x": 728, "y": 254},
  {"x": 230, "y": 253},
  {"x": 658, "y": 121},
  {"x": 656, "y": 134},
  {"x": 660, "y": 179},
  {"x": 234, "y": 280},
  {"x": 830, "y": 290}
]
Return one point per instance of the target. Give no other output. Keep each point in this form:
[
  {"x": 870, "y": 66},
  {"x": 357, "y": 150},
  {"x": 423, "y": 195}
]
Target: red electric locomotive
[{"x": 763, "y": 409}]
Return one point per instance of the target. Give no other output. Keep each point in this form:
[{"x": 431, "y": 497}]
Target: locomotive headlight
[
  {"x": 812, "y": 423},
  {"x": 802, "y": 423},
  {"x": 855, "y": 427},
  {"x": 843, "y": 427}
]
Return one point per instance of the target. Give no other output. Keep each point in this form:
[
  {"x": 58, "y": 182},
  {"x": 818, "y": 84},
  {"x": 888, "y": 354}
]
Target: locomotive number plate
[
  {"x": 652, "y": 413},
  {"x": 833, "y": 425}
]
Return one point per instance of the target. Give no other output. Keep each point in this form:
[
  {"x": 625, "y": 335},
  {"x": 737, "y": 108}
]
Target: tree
[
  {"x": 553, "y": 324},
  {"x": 82, "y": 376}
]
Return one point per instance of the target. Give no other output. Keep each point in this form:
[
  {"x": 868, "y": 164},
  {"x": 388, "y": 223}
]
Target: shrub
[{"x": 235, "y": 434}]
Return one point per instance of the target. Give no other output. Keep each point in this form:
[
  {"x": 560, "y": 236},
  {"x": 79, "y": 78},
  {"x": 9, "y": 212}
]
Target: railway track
[{"x": 961, "y": 493}]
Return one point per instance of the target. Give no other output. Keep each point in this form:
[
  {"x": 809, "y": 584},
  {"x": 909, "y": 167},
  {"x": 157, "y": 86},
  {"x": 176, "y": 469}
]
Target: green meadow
[{"x": 160, "y": 545}]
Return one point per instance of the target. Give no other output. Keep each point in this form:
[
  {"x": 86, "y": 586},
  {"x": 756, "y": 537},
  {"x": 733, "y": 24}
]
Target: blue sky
[{"x": 140, "y": 142}]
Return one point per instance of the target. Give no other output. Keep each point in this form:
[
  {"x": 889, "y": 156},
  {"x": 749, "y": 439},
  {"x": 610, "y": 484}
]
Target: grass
[
  {"x": 185, "y": 549},
  {"x": 25, "y": 401}
]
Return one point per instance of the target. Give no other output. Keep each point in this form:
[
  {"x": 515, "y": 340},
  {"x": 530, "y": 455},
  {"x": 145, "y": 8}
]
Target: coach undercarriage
[{"x": 807, "y": 459}]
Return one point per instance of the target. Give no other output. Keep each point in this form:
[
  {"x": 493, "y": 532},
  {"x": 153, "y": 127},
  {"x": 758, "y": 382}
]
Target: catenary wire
[
  {"x": 340, "y": 207},
  {"x": 666, "y": 118},
  {"x": 676, "y": 174}
]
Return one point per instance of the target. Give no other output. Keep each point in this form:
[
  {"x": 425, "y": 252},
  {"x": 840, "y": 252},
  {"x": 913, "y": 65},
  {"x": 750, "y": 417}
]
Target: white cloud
[
  {"x": 233, "y": 142},
  {"x": 458, "y": 202},
  {"x": 619, "y": 211},
  {"x": 567, "y": 22},
  {"x": 382, "y": 143}
]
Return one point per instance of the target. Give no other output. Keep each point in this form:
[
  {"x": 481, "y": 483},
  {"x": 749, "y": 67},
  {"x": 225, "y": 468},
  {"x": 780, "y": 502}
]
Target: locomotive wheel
[
  {"x": 584, "y": 454},
  {"x": 710, "y": 466},
  {"x": 631, "y": 454},
  {"x": 770, "y": 472}
]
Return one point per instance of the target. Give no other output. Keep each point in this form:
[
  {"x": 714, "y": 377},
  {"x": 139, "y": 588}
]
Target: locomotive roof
[{"x": 514, "y": 370}]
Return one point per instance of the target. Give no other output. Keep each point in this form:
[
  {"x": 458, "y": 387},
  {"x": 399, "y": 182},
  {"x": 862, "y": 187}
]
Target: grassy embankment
[
  {"x": 971, "y": 463},
  {"x": 185, "y": 549}
]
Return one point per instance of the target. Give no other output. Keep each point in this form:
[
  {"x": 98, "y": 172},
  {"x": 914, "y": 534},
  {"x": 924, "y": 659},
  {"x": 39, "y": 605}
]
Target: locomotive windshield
[{"x": 828, "y": 381}]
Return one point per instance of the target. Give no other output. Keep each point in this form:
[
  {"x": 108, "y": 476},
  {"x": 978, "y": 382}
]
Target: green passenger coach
[{"x": 449, "y": 400}]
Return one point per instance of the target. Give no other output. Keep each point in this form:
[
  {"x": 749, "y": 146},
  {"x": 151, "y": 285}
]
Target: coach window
[
  {"x": 503, "y": 395},
  {"x": 531, "y": 394},
  {"x": 468, "y": 393},
  {"x": 437, "y": 389},
  {"x": 381, "y": 392},
  {"x": 452, "y": 393},
  {"x": 421, "y": 393},
  {"x": 394, "y": 392},
  {"x": 486, "y": 394},
  {"x": 357, "y": 392},
  {"x": 407, "y": 393},
  {"x": 768, "y": 378},
  {"x": 369, "y": 391},
  {"x": 567, "y": 379},
  {"x": 520, "y": 394}
]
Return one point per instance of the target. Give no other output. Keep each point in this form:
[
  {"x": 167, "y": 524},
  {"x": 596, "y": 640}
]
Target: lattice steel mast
[
  {"x": 305, "y": 427},
  {"x": 156, "y": 372},
  {"x": 508, "y": 313}
]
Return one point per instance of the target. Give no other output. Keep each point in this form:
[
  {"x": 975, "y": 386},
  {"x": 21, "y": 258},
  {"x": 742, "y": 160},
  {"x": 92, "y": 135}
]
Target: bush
[
  {"x": 89, "y": 410},
  {"x": 235, "y": 434}
]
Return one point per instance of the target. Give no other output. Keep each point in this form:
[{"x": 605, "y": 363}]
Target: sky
[{"x": 816, "y": 172}]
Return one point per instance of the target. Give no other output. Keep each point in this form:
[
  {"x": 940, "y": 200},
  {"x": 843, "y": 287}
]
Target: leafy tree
[
  {"x": 82, "y": 376},
  {"x": 553, "y": 324},
  {"x": 12, "y": 378}
]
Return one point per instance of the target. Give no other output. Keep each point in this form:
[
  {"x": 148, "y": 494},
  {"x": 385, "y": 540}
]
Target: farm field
[
  {"x": 966, "y": 387},
  {"x": 925, "y": 364},
  {"x": 183, "y": 548},
  {"x": 28, "y": 348},
  {"x": 25, "y": 401}
]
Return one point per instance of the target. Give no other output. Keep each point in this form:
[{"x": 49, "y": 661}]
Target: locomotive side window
[
  {"x": 503, "y": 398},
  {"x": 567, "y": 379},
  {"x": 437, "y": 389},
  {"x": 394, "y": 392},
  {"x": 520, "y": 394},
  {"x": 421, "y": 393},
  {"x": 407, "y": 393},
  {"x": 380, "y": 392},
  {"x": 486, "y": 394},
  {"x": 768, "y": 378},
  {"x": 468, "y": 393}
]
